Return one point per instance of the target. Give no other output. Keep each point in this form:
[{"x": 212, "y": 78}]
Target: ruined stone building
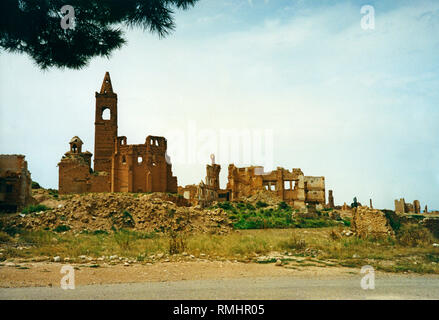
[
  {"x": 330, "y": 199},
  {"x": 402, "y": 207},
  {"x": 205, "y": 193},
  {"x": 15, "y": 183},
  {"x": 118, "y": 166},
  {"x": 292, "y": 187}
]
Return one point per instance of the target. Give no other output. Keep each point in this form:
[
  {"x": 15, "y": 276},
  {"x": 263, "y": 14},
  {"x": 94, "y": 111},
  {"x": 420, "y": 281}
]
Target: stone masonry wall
[{"x": 370, "y": 222}]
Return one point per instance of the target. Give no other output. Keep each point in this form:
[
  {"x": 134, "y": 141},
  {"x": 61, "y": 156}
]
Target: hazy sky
[{"x": 360, "y": 107}]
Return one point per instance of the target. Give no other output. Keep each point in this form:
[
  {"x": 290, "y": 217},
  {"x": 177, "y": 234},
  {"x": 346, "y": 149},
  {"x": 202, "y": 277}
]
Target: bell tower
[{"x": 105, "y": 126}]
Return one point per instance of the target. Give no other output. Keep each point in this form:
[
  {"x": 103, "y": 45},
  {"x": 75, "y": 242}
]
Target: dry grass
[{"x": 305, "y": 246}]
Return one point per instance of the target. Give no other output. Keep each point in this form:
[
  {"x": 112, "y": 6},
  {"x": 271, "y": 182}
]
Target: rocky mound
[
  {"x": 264, "y": 196},
  {"x": 114, "y": 211},
  {"x": 370, "y": 222}
]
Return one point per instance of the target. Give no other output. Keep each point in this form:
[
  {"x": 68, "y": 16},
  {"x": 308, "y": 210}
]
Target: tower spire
[{"x": 106, "y": 84}]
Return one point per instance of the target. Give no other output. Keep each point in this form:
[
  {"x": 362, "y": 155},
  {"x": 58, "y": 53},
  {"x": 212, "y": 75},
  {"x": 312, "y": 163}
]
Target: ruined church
[{"x": 118, "y": 166}]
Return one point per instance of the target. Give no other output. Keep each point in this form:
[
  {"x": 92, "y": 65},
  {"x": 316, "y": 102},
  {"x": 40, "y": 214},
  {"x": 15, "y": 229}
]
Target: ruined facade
[
  {"x": 205, "y": 193},
  {"x": 118, "y": 166},
  {"x": 402, "y": 207},
  {"x": 15, "y": 183},
  {"x": 292, "y": 187}
]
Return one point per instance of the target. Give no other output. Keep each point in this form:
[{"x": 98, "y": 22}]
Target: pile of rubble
[
  {"x": 110, "y": 211},
  {"x": 267, "y": 197},
  {"x": 368, "y": 222}
]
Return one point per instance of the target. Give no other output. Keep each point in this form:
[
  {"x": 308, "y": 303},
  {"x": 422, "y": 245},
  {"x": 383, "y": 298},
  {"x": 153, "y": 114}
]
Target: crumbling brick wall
[
  {"x": 290, "y": 186},
  {"x": 370, "y": 222},
  {"x": 189, "y": 192},
  {"x": 15, "y": 183},
  {"x": 142, "y": 167}
]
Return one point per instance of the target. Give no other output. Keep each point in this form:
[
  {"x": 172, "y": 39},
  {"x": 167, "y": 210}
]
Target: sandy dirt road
[{"x": 209, "y": 280}]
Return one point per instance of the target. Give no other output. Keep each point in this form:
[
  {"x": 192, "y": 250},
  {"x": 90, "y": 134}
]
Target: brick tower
[{"x": 105, "y": 127}]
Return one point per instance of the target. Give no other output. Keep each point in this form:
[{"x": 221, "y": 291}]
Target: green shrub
[
  {"x": 394, "y": 220},
  {"x": 53, "y": 193},
  {"x": 4, "y": 237},
  {"x": 35, "y": 185},
  {"x": 241, "y": 206},
  {"x": 127, "y": 219},
  {"x": 35, "y": 208},
  {"x": 271, "y": 260},
  {"x": 347, "y": 222},
  {"x": 12, "y": 230},
  {"x": 283, "y": 206},
  {"x": 261, "y": 204},
  {"x": 226, "y": 205},
  {"x": 314, "y": 223},
  {"x": 100, "y": 232},
  {"x": 249, "y": 223},
  {"x": 61, "y": 228}
]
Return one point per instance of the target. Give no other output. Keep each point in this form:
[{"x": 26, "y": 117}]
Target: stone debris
[
  {"x": 264, "y": 196},
  {"x": 370, "y": 222},
  {"x": 347, "y": 233},
  {"x": 109, "y": 211}
]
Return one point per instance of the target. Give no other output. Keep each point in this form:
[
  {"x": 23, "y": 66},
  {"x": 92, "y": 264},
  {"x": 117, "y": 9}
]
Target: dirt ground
[{"x": 48, "y": 273}]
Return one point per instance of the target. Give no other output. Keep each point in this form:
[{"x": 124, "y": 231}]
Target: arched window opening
[
  {"x": 106, "y": 114},
  {"x": 124, "y": 159},
  {"x": 139, "y": 159}
]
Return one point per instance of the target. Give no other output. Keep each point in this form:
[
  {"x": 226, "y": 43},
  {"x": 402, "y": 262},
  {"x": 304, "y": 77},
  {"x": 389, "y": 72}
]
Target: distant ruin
[
  {"x": 292, "y": 187},
  {"x": 205, "y": 193},
  {"x": 15, "y": 183},
  {"x": 118, "y": 166},
  {"x": 402, "y": 207}
]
